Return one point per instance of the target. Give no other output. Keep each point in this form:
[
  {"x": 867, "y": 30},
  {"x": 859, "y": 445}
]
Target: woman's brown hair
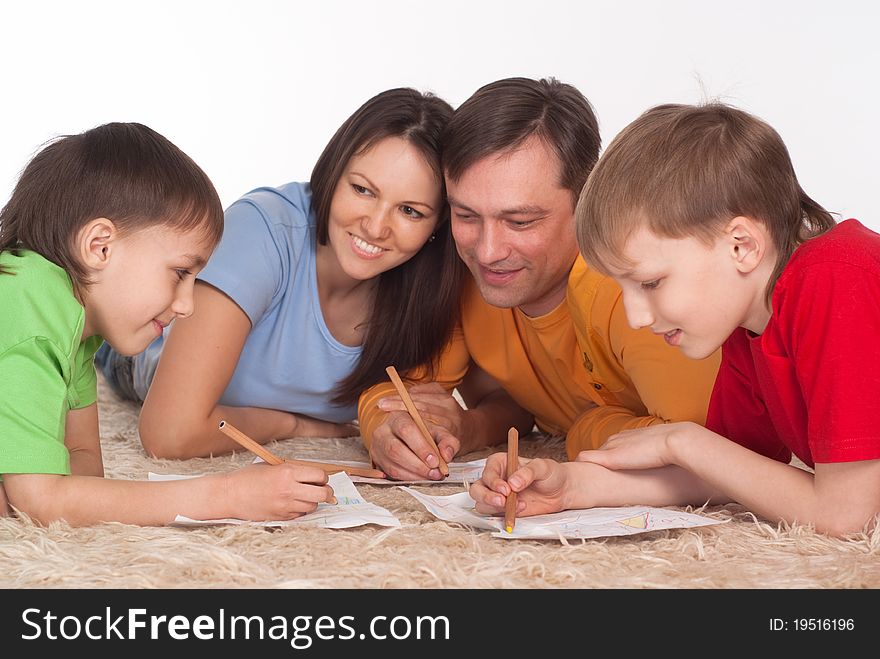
[{"x": 416, "y": 304}]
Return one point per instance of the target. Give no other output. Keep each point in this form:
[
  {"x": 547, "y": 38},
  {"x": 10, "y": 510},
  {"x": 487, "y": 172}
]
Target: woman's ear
[
  {"x": 747, "y": 243},
  {"x": 97, "y": 242}
]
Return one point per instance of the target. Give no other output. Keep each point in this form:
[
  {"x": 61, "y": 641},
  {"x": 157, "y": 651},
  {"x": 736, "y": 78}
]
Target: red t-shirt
[{"x": 810, "y": 384}]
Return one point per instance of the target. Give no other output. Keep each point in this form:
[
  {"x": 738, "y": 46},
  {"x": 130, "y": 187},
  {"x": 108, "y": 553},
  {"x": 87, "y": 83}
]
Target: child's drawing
[{"x": 588, "y": 523}]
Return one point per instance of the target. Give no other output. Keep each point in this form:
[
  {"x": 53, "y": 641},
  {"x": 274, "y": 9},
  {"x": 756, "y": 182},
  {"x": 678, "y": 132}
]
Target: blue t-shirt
[{"x": 266, "y": 265}]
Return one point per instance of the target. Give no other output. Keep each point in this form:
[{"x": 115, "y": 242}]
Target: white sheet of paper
[
  {"x": 588, "y": 523},
  {"x": 350, "y": 510},
  {"x": 459, "y": 472}
]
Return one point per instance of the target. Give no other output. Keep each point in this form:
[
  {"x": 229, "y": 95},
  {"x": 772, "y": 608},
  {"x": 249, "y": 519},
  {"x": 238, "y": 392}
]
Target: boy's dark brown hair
[
  {"x": 125, "y": 172},
  {"x": 416, "y": 304},
  {"x": 686, "y": 171},
  {"x": 502, "y": 115}
]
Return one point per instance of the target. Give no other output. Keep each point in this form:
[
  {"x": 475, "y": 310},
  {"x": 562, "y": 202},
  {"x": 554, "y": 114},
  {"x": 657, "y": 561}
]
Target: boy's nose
[
  {"x": 638, "y": 313},
  {"x": 183, "y": 304}
]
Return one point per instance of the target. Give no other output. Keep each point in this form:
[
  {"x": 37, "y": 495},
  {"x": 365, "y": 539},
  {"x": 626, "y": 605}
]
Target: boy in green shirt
[{"x": 101, "y": 240}]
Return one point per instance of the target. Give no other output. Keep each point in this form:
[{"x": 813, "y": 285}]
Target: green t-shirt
[{"x": 46, "y": 369}]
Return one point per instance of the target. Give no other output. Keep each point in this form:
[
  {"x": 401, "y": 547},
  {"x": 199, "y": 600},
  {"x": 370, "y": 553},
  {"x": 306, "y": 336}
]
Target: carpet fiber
[{"x": 423, "y": 553}]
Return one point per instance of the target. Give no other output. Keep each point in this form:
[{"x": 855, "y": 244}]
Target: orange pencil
[
  {"x": 512, "y": 466},
  {"x": 255, "y": 447},
  {"x": 414, "y": 413}
]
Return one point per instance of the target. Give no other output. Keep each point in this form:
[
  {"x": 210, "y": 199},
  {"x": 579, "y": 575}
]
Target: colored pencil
[
  {"x": 414, "y": 413},
  {"x": 255, "y": 447},
  {"x": 512, "y": 466}
]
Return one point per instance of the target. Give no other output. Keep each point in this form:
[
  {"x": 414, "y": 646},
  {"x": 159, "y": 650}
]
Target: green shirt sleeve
[
  {"x": 83, "y": 389},
  {"x": 33, "y": 408}
]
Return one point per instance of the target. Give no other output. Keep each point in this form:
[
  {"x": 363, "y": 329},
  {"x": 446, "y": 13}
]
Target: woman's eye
[
  {"x": 651, "y": 285},
  {"x": 182, "y": 274},
  {"x": 360, "y": 189},
  {"x": 412, "y": 212}
]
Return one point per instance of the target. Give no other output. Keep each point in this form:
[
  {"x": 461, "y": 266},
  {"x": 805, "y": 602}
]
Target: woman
[{"x": 313, "y": 291}]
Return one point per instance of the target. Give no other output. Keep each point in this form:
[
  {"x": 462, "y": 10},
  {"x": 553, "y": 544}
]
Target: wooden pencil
[
  {"x": 251, "y": 445},
  {"x": 414, "y": 413},
  {"x": 255, "y": 447},
  {"x": 512, "y": 466}
]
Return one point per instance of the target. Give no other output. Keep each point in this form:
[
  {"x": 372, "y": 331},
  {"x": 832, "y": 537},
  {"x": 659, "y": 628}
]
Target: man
[{"x": 541, "y": 336}]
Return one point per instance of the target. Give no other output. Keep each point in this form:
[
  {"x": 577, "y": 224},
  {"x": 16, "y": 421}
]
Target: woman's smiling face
[{"x": 384, "y": 209}]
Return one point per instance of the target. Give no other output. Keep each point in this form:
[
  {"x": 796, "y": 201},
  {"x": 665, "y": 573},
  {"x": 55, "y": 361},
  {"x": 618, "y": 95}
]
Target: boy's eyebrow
[
  {"x": 194, "y": 260},
  {"x": 623, "y": 274}
]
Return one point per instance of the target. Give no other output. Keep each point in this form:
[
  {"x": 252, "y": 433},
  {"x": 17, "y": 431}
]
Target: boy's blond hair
[{"x": 686, "y": 171}]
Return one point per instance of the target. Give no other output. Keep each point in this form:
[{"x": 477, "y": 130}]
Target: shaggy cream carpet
[{"x": 423, "y": 553}]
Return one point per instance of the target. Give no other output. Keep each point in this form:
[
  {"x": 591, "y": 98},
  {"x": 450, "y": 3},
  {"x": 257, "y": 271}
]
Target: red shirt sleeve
[{"x": 828, "y": 325}]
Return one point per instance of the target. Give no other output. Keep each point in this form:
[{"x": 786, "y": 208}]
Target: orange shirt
[{"x": 580, "y": 369}]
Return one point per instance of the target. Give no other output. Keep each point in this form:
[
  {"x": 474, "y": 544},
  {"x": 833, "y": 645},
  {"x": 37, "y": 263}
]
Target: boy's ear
[
  {"x": 747, "y": 243},
  {"x": 97, "y": 240}
]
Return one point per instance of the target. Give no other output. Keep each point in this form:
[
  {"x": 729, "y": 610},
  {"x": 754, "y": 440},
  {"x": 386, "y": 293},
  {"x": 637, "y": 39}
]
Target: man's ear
[
  {"x": 747, "y": 243},
  {"x": 97, "y": 240}
]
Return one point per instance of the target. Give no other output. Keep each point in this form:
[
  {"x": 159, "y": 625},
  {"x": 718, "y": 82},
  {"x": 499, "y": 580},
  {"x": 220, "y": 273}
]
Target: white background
[{"x": 252, "y": 90}]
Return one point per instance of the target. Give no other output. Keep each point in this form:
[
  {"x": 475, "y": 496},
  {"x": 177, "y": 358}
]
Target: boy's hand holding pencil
[
  {"x": 281, "y": 492},
  {"x": 518, "y": 487}
]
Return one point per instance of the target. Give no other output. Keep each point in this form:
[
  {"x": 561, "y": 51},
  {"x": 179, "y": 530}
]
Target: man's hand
[{"x": 399, "y": 449}]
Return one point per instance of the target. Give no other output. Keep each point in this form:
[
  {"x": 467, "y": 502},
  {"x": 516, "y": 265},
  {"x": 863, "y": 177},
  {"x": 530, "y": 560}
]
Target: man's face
[{"x": 514, "y": 227}]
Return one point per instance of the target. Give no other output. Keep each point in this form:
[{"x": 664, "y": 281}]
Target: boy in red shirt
[{"x": 698, "y": 215}]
